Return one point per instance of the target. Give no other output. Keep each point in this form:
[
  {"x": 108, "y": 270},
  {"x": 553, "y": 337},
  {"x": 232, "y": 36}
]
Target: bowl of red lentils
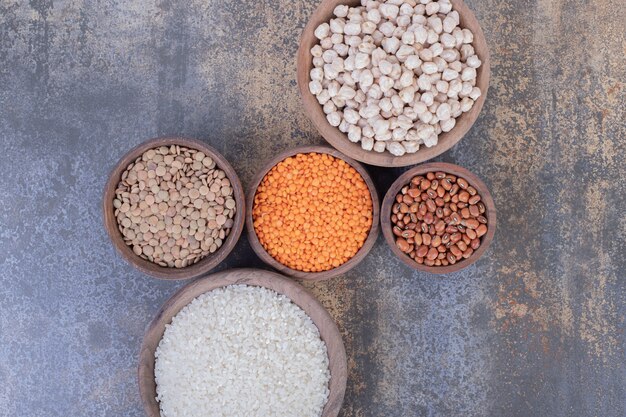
[
  {"x": 313, "y": 213},
  {"x": 173, "y": 207},
  {"x": 438, "y": 217}
]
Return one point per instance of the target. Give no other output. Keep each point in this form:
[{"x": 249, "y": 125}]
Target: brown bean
[
  {"x": 454, "y": 189},
  {"x": 455, "y": 218},
  {"x": 429, "y": 218},
  {"x": 397, "y": 231},
  {"x": 429, "y": 262},
  {"x": 481, "y": 230},
  {"x": 440, "y": 226},
  {"x": 424, "y": 227},
  {"x": 474, "y": 212},
  {"x": 419, "y": 260},
  {"x": 424, "y": 185},
  {"x": 396, "y": 208},
  {"x": 430, "y": 204},
  {"x": 421, "y": 251},
  {"x": 440, "y": 192},
  {"x": 447, "y": 211},
  {"x": 431, "y": 230},
  {"x": 408, "y": 234},
  {"x": 417, "y": 180},
  {"x": 471, "y": 190},
  {"x": 444, "y": 262},
  {"x": 399, "y": 198},
  {"x": 430, "y": 175},
  {"x": 475, "y": 244},
  {"x": 435, "y": 241},
  {"x": 441, "y": 248},
  {"x": 471, "y": 223},
  {"x": 402, "y": 244},
  {"x": 413, "y": 217},
  {"x": 394, "y": 218},
  {"x": 481, "y": 207},
  {"x": 426, "y": 239},
  {"x": 454, "y": 249},
  {"x": 432, "y": 253},
  {"x": 406, "y": 199},
  {"x": 414, "y": 192},
  {"x": 400, "y": 223},
  {"x": 404, "y": 189},
  {"x": 468, "y": 252},
  {"x": 434, "y": 184},
  {"x": 464, "y": 196},
  {"x": 452, "y": 177},
  {"x": 446, "y": 184},
  {"x": 482, "y": 219},
  {"x": 461, "y": 228},
  {"x": 403, "y": 208},
  {"x": 445, "y": 238},
  {"x": 467, "y": 240},
  {"x": 455, "y": 237},
  {"x": 413, "y": 208},
  {"x": 461, "y": 245},
  {"x": 439, "y": 202},
  {"x": 447, "y": 197},
  {"x": 474, "y": 199},
  {"x": 418, "y": 239},
  {"x": 461, "y": 205},
  {"x": 440, "y": 175},
  {"x": 462, "y": 183},
  {"x": 439, "y": 212},
  {"x": 465, "y": 213},
  {"x": 451, "y": 229},
  {"x": 470, "y": 233},
  {"x": 451, "y": 258},
  {"x": 431, "y": 193},
  {"x": 422, "y": 209}
]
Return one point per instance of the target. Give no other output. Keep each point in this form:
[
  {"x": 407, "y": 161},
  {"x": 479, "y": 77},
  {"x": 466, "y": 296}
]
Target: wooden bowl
[
  {"x": 340, "y": 140},
  {"x": 201, "y": 267},
  {"x": 404, "y": 179},
  {"x": 255, "y": 277},
  {"x": 312, "y": 276}
]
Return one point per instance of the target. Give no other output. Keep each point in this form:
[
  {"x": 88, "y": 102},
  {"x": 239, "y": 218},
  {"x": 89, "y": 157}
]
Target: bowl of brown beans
[
  {"x": 173, "y": 207},
  {"x": 313, "y": 213},
  {"x": 438, "y": 218}
]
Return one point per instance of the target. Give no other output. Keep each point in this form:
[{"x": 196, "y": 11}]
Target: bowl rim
[
  {"x": 329, "y": 332},
  {"x": 165, "y": 273},
  {"x": 323, "y": 275},
  {"x": 340, "y": 141},
  {"x": 404, "y": 179}
]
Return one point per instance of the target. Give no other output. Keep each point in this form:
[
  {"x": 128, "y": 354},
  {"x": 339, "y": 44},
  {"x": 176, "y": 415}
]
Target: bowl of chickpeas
[
  {"x": 313, "y": 213},
  {"x": 393, "y": 83}
]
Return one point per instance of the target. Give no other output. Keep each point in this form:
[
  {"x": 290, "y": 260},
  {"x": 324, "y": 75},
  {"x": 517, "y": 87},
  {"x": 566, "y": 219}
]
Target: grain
[{"x": 241, "y": 351}]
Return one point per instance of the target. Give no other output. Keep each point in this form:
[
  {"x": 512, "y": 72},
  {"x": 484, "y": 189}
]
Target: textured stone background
[{"x": 535, "y": 328}]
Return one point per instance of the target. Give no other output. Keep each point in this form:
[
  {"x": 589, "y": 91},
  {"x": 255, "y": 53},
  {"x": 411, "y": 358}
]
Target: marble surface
[{"x": 535, "y": 328}]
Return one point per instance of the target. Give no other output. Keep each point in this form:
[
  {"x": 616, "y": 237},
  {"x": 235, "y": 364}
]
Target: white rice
[{"x": 241, "y": 351}]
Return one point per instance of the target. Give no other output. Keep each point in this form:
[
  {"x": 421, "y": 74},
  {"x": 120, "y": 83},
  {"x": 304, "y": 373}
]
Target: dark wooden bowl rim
[
  {"x": 404, "y": 179},
  {"x": 339, "y": 140},
  {"x": 145, "y": 266},
  {"x": 313, "y": 276},
  {"x": 299, "y": 295}
]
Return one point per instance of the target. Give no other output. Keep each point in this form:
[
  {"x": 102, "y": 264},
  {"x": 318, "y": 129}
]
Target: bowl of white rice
[{"x": 242, "y": 343}]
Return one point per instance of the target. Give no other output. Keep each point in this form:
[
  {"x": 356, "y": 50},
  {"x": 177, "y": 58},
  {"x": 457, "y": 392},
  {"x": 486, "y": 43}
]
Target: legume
[
  {"x": 438, "y": 219},
  {"x": 312, "y": 212},
  {"x": 174, "y": 206}
]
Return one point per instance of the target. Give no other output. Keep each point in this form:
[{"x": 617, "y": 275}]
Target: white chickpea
[
  {"x": 475, "y": 93},
  {"x": 361, "y": 60},
  {"x": 374, "y": 16},
  {"x": 389, "y": 11},
  {"x": 317, "y": 74},
  {"x": 387, "y": 29},
  {"x": 334, "y": 118},
  {"x": 407, "y": 94},
  {"x": 456, "y": 66},
  {"x": 408, "y": 38},
  {"x": 396, "y": 148},
  {"x": 428, "y": 98},
  {"x": 339, "y": 102},
  {"x": 367, "y": 143},
  {"x": 449, "y": 23},
  {"x": 423, "y": 82},
  {"x": 468, "y": 74},
  {"x": 341, "y": 10},
  {"x": 466, "y": 104},
  {"x": 442, "y": 86},
  {"x": 466, "y": 51},
  {"x": 344, "y": 126},
  {"x": 379, "y": 146},
  {"x": 447, "y": 125},
  {"x": 429, "y": 68},
  {"x": 390, "y": 45},
  {"x": 450, "y": 55},
  {"x": 473, "y": 61},
  {"x": 432, "y": 8},
  {"x": 385, "y": 83},
  {"x": 447, "y": 40},
  {"x": 323, "y": 97},
  {"x": 317, "y": 51},
  {"x": 354, "y": 133},
  {"x": 326, "y": 43},
  {"x": 444, "y": 111},
  {"x": 449, "y": 74},
  {"x": 330, "y": 73},
  {"x": 315, "y": 87},
  {"x": 468, "y": 36},
  {"x": 404, "y": 52},
  {"x": 322, "y": 31},
  {"x": 426, "y": 55},
  {"x": 405, "y": 121},
  {"x": 420, "y": 34}
]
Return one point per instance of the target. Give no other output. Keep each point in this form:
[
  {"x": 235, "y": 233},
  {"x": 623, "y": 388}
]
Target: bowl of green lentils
[{"x": 173, "y": 208}]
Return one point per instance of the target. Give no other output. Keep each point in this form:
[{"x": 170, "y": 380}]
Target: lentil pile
[
  {"x": 174, "y": 206},
  {"x": 312, "y": 212},
  {"x": 438, "y": 219}
]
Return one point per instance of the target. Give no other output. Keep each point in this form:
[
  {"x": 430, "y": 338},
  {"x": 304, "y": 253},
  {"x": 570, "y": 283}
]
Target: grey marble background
[{"x": 535, "y": 328}]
